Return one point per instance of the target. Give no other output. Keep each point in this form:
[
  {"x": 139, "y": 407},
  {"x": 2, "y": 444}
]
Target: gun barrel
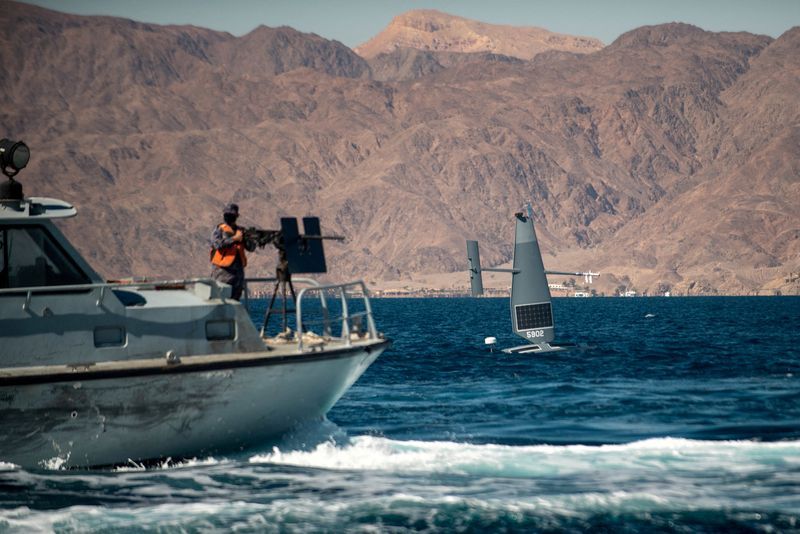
[{"x": 258, "y": 238}]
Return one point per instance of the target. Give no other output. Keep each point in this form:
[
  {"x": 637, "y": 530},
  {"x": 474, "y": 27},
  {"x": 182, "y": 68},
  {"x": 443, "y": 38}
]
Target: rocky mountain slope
[
  {"x": 668, "y": 159},
  {"x": 431, "y": 30}
]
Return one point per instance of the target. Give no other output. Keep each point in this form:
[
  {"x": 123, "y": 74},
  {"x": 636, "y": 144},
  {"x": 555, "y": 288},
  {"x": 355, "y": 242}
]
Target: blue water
[{"x": 677, "y": 415}]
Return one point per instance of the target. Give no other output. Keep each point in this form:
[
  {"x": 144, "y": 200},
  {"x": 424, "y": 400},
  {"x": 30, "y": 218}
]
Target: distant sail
[{"x": 475, "y": 278}]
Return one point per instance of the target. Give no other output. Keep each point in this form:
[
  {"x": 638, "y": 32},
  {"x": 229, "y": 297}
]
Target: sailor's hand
[{"x": 238, "y": 237}]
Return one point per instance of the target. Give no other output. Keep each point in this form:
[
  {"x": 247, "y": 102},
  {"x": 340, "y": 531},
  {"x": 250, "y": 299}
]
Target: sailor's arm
[{"x": 221, "y": 239}]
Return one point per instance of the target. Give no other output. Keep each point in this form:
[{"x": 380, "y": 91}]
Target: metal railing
[
  {"x": 296, "y": 279},
  {"x": 270, "y": 280},
  {"x": 29, "y": 292},
  {"x": 350, "y": 322},
  {"x": 347, "y": 319}
]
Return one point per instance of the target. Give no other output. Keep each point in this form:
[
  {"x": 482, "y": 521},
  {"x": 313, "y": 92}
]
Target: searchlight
[{"x": 14, "y": 156}]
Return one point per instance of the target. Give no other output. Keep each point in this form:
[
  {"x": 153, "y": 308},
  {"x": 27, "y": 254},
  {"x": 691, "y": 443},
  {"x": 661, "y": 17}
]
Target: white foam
[
  {"x": 7, "y": 466},
  {"x": 168, "y": 464},
  {"x": 545, "y": 481},
  {"x": 55, "y": 463},
  {"x": 91, "y": 518},
  {"x": 656, "y": 455}
]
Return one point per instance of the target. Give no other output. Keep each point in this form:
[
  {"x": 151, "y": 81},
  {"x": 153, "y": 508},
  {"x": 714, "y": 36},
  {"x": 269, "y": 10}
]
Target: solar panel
[{"x": 530, "y": 316}]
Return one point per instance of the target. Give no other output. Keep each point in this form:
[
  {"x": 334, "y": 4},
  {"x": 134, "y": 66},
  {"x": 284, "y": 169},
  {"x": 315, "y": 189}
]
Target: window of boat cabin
[{"x": 31, "y": 257}]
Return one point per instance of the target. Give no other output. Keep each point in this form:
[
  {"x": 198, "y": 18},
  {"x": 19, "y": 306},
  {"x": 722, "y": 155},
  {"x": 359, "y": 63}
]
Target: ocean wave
[
  {"x": 657, "y": 455},
  {"x": 403, "y": 511},
  {"x": 163, "y": 518},
  {"x": 370, "y": 483}
]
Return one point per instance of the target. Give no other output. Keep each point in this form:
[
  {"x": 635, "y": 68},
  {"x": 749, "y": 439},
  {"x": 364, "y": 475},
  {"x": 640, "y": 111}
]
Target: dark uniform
[{"x": 228, "y": 253}]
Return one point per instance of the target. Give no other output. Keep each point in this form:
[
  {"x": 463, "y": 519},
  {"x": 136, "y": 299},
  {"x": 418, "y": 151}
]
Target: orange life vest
[{"x": 224, "y": 257}]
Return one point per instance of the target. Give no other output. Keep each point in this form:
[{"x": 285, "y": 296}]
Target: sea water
[{"x": 674, "y": 415}]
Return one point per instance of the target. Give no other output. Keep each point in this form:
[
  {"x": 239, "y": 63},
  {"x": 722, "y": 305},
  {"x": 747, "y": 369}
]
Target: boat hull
[{"x": 140, "y": 413}]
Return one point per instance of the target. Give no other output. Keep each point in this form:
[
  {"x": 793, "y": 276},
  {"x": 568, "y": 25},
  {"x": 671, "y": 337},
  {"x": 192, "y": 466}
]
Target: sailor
[{"x": 228, "y": 252}]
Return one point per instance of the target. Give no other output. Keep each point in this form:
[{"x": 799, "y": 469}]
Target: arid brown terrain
[
  {"x": 434, "y": 31},
  {"x": 668, "y": 160}
]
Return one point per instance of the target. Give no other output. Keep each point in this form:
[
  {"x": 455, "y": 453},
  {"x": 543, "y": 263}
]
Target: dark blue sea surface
[{"x": 673, "y": 415}]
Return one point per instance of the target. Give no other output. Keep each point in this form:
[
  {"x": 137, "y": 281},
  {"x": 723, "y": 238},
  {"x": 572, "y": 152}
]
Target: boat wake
[
  {"x": 339, "y": 483},
  {"x": 324, "y": 445},
  {"x": 657, "y": 457}
]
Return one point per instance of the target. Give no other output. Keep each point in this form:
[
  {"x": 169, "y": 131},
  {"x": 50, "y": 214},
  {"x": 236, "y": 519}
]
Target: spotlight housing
[{"x": 14, "y": 156}]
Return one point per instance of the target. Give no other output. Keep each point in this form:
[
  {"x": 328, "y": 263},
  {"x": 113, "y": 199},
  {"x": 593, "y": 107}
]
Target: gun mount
[
  {"x": 303, "y": 253},
  {"x": 297, "y": 253},
  {"x": 257, "y": 238}
]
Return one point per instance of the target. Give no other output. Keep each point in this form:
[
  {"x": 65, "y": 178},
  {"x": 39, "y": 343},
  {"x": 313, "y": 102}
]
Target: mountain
[
  {"x": 667, "y": 160},
  {"x": 431, "y": 30},
  {"x": 737, "y": 226},
  {"x": 410, "y": 63}
]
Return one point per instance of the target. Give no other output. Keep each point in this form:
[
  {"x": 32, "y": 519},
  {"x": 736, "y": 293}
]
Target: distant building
[{"x": 395, "y": 293}]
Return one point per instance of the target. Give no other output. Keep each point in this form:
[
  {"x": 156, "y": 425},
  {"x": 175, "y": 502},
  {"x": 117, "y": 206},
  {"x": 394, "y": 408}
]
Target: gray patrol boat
[{"x": 97, "y": 373}]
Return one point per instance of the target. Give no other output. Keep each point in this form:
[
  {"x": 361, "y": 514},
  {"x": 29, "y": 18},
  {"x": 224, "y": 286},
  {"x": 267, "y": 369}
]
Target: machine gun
[
  {"x": 257, "y": 238},
  {"x": 302, "y": 253},
  {"x": 297, "y": 253}
]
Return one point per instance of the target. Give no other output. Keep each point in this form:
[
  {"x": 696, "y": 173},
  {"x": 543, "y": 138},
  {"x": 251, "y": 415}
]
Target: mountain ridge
[
  {"x": 635, "y": 156},
  {"x": 432, "y": 30}
]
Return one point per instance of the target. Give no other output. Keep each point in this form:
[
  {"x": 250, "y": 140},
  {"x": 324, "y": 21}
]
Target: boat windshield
[{"x": 30, "y": 257}]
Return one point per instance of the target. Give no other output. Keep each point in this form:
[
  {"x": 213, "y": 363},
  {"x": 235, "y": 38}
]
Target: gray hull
[
  {"x": 201, "y": 406},
  {"x": 96, "y": 372}
]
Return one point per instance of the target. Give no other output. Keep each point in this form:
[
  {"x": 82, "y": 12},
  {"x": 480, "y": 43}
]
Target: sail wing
[
  {"x": 475, "y": 278},
  {"x": 531, "y": 308}
]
